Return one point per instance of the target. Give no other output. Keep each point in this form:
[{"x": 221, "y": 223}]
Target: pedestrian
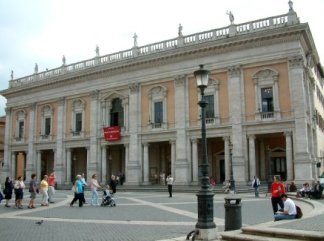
[
  {"x": 113, "y": 184},
  {"x": 8, "y": 191},
  {"x": 289, "y": 211},
  {"x": 44, "y": 191},
  {"x": 170, "y": 183},
  {"x": 19, "y": 192},
  {"x": 78, "y": 192},
  {"x": 94, "y": 190},
  {"x": 277, "y": 188},
  {"x": 84, "y": 184},
  {"x": 255, "y": 185},
  {"x": 51, "y": 187},
  {"x": 32, "y": 190}
]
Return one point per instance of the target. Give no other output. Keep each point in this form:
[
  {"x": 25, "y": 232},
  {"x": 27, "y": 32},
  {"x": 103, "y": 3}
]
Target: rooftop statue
[
  {"x": 36, "y": 68},
  {"x": 135, "y": 40},
  {"x": 180, "y": 30},
  {"x": 63, "y": 60},
  {"x": 231, "y": 16},
  {"x": 12, "y": 75},
  {"x": 291, "y": 5},
  {"x": 97, "y": 51}
]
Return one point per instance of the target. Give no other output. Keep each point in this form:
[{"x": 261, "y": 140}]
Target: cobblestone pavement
[{"x": 144, "y": 216}]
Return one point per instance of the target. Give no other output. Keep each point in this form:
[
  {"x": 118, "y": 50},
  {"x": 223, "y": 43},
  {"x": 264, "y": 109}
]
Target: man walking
[
  {"x": 170, "y": 183},
  {"x": 51, "y": 187},
  {"x": 255, "y": 185}
]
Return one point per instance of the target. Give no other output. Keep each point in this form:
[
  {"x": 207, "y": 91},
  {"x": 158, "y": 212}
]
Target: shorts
[{"x": 32, "y": 195}]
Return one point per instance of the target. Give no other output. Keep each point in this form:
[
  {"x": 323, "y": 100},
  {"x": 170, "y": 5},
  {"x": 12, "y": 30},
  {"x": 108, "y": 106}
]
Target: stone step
[
  {"x": 284, "y": 233},
  {"x": 239, "y": 236}
]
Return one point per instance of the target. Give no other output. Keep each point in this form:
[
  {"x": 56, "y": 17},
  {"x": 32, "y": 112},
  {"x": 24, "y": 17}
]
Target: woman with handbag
[{"x": 7, "y": 191}]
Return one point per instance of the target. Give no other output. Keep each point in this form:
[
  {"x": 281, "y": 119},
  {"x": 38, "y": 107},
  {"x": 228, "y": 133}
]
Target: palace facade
[{"x": 264, "y": 115}]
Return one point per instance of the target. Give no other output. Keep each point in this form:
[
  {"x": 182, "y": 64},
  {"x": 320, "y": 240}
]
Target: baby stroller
[{"x": 108, "y": 200}]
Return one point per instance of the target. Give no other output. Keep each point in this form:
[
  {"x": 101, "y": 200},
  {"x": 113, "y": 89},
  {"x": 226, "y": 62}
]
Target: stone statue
[
  {"x": 291, "y": 5},
  {"x": 180, "y": 30},
  {"x": 231, "y": 16},
  {"x": 12, "y": 75},
  {"x": 135, "y": 40},
  {"x": 97, "y": 51},
  {"x": 36, "y": 68},
  {"x": 63, "y": 60}
]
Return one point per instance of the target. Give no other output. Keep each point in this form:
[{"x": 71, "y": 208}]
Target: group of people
[
  {"x": 80, "y": 183},
  {"x": 46, "y": 188},
  {"x": 314, "y": 191}
]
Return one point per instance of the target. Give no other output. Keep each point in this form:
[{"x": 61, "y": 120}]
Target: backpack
[{"x": 299, "y": 212}]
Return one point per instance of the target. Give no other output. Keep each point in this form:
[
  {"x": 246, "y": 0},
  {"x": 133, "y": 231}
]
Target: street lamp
[
  {"x": 205, "y": 227},
  {"x": 232, "y": 181}
]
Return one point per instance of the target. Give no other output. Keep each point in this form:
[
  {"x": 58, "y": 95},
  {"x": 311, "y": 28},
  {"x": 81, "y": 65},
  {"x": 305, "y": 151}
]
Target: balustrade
[{"x": 258, "y": 25}]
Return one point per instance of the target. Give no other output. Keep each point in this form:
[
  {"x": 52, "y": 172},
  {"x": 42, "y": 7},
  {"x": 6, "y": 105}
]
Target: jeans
[
  {"x": 278, "y": 217},
  {"x": 94, "y": 198},
  {"x": 51, "y": 192},
  {"x": 256, "y": 191},
  {"x": 44, "y": 197}
]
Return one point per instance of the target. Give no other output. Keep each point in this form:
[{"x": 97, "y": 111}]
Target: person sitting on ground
[
  {"x": 316, "y": 191},
  {"x": 292, "y": 187},
  {"x": 289, "y": 211},
  {"x": 304, "y": 191}
]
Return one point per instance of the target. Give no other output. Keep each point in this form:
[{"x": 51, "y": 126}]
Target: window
[
  {"x": 78, "y": 123},
  {"x": 47, "y": 126},
  {"x": 210, "y": 109},
  {"x": 20, "y": 125},
  {"x": 117, "y": 113},
  {"x": 78, "y": 118},
  {"x": 158, "y": 103},
  {"x": 21, "y": 129},
  {"x": 267, "y": 99},
  {"x": 158, "y": 112},
  {"x": 266, "y": 94}
]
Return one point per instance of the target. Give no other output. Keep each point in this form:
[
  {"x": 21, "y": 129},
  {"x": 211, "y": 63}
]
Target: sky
[{"x": 42, "y": 31}]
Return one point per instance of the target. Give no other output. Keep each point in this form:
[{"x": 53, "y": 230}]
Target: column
[
  {"x": 89, "y": 170},
  {"x": 263, "y": 174},
  {"x": 194, "y": 144},
  {"x": 38, "y": 165},
  {"x": 68, "y": 166},
  {"x": 289, "y": 156},
  {"x": 59, "y": 168},
  {"x": 93, "y": 160},
  {"x": 135, "y": 146},
  {"x": 236, "y": 106},
  {"x": 7, "y": 169},
  {"x": 173, "y": 158},
  {"x": 13, "y": 164},
  {"x": 146, "y": 163},
  {"x": 227, "y": 158},
  {"x": 126, "y": 119},
  {"x": 126, "y": 160},
  {"x": 303, "y": 161},
  {"x": 181, "y": 169},
  {"x": 30, "y": 162},
  {"x": 252, "y": 161},
  {"x": 103, "y": 164}
]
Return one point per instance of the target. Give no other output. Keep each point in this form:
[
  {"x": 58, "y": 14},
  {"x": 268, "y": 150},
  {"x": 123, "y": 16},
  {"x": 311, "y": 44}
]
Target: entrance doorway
[
  {"x": 47, "y": 163},
  {"x": 116, "y": 160},
  {"x": 159, "y": 162},
  {"x": 79, "y": 162}
]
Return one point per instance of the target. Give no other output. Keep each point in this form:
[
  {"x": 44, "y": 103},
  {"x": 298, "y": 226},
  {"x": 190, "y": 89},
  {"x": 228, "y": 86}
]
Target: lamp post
[
  {"x": 205, "y": 227},
  {"x": 232, "y": 181}
]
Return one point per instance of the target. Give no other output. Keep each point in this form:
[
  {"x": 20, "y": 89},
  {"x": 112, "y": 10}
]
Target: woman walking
[
  {"x": 32, "y": 190},
  {"x": 78, "y": 187},
  {"x": 19, "y": 192},
  {"x": 8, "y": 191},
  {"x": 94, "y": 186},
  {"x": 44, "y": 191}
]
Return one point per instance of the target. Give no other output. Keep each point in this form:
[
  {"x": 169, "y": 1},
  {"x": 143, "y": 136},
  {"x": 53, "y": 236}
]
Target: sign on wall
[{"x": 112, "y": 133}]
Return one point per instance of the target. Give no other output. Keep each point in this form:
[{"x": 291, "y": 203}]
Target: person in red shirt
[
  {"x": 51, "y": 187},
  {"x": 277, "y": 188}
]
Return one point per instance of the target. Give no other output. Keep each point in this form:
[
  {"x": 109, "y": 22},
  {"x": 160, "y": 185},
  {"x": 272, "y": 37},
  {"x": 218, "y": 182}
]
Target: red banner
[{"x": 112, "y": 133}]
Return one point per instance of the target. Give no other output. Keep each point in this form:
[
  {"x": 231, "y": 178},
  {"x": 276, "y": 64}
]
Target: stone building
[{"x": 135, "y": 111}]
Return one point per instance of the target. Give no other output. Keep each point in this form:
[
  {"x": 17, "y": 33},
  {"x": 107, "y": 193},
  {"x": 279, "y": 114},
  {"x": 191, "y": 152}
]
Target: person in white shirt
[
  {"x": 255, "y": 185},
  {"x": 289, "y": 211},
  {"x": 170, "y": 183}
]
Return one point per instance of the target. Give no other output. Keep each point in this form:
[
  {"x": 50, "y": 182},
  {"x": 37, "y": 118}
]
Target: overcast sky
[{"x": 42, "y": 31}]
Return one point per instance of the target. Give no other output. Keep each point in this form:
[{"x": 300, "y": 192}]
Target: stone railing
[{"x": 181, "y": 41}]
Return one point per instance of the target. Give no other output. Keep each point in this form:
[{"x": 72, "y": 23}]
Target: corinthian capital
[{"x": 234, "y": 71}]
